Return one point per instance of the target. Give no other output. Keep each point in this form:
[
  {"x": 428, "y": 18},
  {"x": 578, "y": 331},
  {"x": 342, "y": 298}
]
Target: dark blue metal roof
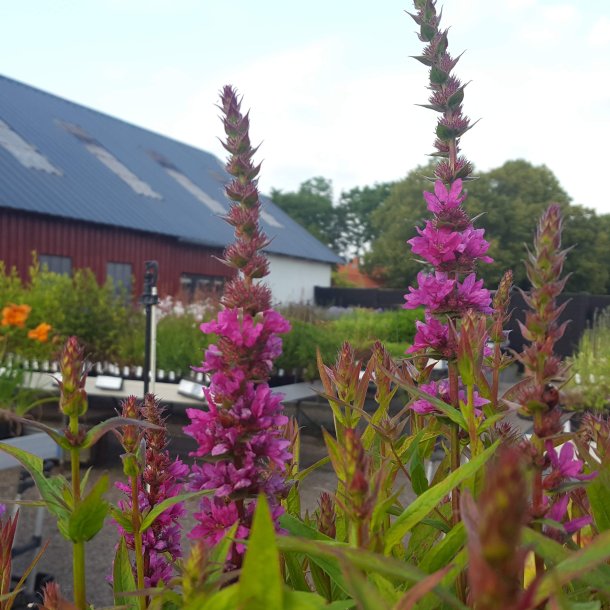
[{"x": 88, "y": 190}]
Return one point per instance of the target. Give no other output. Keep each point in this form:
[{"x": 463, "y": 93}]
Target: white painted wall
[{"x": 292, "y": 279}]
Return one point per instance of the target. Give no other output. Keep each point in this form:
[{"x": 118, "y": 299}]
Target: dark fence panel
[
  {"x": 374, "y": 298},
  {"x": 580, "y": 310}
]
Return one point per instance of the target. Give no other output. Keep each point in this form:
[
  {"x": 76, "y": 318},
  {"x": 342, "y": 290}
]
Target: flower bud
[{"x": 73, "y": 398}]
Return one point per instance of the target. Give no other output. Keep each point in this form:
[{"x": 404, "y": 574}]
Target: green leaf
[
  {"x": 57, "y": 437},
  {"x": 362, "y": 590},
  {"x": 451, "y": 412},
  {"x": 298, "y": 600},
  {"x": 95, "y": 433},
  {"x": 456, "y": 99},
  {"x": 260, "y": 585},
  {"x": 320, "y": 561},
  {"x": 417, "y": 472},
  {"x": 598, "y": 492},
  {"x": 296, "y": 573},
  {"x": 225, "y": 599},
  {"x": 334, "y": 454},
  {"x": 365, "y": 560},
  {"x": 157, "y": 509},
  {"x": 442, "y": 553},
  {"x": 445, "y": 133},
  {"x": 122, "y": 519},
  {"x": 49, "y": 488},
  {"x": 489, "y": 422},
  {"x": 555, "y": 554},
  {"x": 425, "y": 503},
  {"x": 438, "y": 76},
  {"x": 87, "y": 519},
  {"x": 574, "y": 567},
  {"x": 123, "y": 580},
  {"x": 218, "y": 554},
  {"x": 292, "y": 503},
  {"x": 427, "y": 32},
  {"x": 307, "y": 471}
]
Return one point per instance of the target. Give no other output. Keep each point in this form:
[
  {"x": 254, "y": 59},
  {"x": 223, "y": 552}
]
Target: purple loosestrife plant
[
  {"x": 448, "y": 242},
  {"x": 154, "y": 478},
  {"x": 241, "y": 444}
]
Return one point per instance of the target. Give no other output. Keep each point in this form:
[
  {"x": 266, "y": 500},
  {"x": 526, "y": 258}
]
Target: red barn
[{"x": 83, "y": 189}]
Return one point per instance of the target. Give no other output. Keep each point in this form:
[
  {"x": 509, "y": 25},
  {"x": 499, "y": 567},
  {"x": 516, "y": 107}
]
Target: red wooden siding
[{"x": 90, "y": 245}]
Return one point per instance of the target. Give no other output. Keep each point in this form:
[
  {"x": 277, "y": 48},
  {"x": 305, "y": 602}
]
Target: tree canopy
[
  {"x": 378, "y": 220},
  {"x": 508, "y": 201}
]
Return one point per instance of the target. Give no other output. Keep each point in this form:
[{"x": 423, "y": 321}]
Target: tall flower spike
[
  {"x": 242, "y": 447},
  {"x": 447, "y": 94},
  {"x": 449, "y": 242},
  {"x": 158, "y": 478},
  {"x": 542, "y": 328}
]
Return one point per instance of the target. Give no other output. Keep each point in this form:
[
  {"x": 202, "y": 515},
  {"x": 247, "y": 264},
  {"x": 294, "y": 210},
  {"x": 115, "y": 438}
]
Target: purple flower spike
[{"x": 240, "y": 436}]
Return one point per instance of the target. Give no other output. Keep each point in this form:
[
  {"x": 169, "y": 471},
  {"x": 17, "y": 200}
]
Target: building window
[
  {"x": 61, "y": 265},
  {"x": 197, "y": 287},
  {"x": 120, "y": 274},
  {"x": 25, "y": 153},
  {"x": 110, "y": 161}
]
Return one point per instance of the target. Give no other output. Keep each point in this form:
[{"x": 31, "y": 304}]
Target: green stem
[
  {"x": 537, "y": 492},
  {"x": 454, "y": 439},
  {"x": 78, "y": 548},
  {"x": 495, "y": 376},
  {"x": 455, "y": 458},
  {"x": 137, "y": 540},
  {"x": 475, "y": 442}
]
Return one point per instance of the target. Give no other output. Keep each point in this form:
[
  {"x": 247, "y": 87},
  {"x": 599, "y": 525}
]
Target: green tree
[
  {"x": 359, "y": 204},
  {"x": 312, "y": 207},
  {"x": 509, "y": 200},
  {"x": 393, "y": 223}
]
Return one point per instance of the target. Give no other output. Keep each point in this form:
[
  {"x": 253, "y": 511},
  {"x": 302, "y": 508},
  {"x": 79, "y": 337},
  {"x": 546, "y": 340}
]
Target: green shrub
[
  {"x": 180, "y": 343},
  {"x": 590, "y": 367},
  {"x": 361, "y": 328},
  {"x": 300, "y": 344},
  {"x": 364, "y": 326}
]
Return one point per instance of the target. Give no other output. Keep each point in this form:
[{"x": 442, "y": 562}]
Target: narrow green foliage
[
  {"x": 425, "y": 503},
  {"x": 261, "y": 585},
  {"x": 122, "y": 578}
]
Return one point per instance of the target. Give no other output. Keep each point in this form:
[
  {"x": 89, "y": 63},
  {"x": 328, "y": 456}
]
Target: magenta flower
[
  {"x": 439, "y": 294},
  {"x": 564, "y": 467},
  {"x": 440, "y": 390},
  {"x": 431, "y": 334},
  {"x": 444, "y": 198},
  {"x": 558, "y": 512},
  {"x": 432, "y": 291},
  {"x": 447, "y": 249}
]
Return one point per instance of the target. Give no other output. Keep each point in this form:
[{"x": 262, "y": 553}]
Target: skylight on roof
[
  {"x": 186, "y": 183},
  {"x": 25, "y": 153},
  {"x": 111, "y": 162},
  {"x": 271, "y": 220},
  {"x": 197, "y": 192}
]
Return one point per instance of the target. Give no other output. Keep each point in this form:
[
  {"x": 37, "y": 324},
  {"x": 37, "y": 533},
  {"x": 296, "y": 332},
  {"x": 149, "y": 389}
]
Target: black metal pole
[{"x": 149, "y": 298}]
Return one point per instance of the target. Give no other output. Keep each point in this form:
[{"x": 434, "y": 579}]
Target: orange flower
[
  {"x": 41, "y": 332},
  {"x": 15, "y": 315}
]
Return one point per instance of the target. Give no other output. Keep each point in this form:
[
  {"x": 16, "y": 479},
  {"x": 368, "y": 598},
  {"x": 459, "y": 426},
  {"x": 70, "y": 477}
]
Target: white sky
[{"x": 330, "y": 83}]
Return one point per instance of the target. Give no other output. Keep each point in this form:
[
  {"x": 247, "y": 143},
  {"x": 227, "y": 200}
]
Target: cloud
[{"x": 599, "y": 34}]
